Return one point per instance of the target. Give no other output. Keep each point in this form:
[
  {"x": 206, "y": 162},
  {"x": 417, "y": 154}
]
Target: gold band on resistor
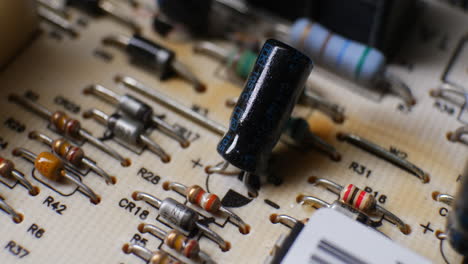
[
  {"x": 208, "y": 201},
  {"x": 69, "y": 152},
  {"x": 66, "y": 125},
  {"x": 51, "y": 167},
  {"x": 177, "y": 241}
]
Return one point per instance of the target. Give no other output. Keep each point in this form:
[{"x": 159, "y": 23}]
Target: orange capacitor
[{"x": 49, "y": 165}]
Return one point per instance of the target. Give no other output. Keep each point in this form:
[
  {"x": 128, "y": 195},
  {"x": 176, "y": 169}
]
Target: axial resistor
[
  {"x": 69, "y": 152},
  {"x": 208, "y": 201},
  {"x": 359, "y": 199},
  {"x": 177, "y": 241},
  {"x": 65, "y": 125},
  {"x": 51, "y": 167},
  {"x": 354, "y": 60}
]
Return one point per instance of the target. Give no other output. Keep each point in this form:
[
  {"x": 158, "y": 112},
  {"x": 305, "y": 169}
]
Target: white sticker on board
[{"x": 331, "y": 237}]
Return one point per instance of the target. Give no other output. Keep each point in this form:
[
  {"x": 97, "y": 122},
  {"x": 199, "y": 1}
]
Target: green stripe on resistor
[
  {"x": 245, "y": 63},
  {"x": 360, "y": 64}
]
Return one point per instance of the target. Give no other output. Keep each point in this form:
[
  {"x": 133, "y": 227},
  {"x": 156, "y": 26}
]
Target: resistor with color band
[
  {"x": 52, "y": 168},
  {"x": 190, "y": 248},
  {"x": 73, "y": 154},
  {"x": 7, "y": 170},
  {"x": 355, "y": 61},
  {"x": 207, "y": 201}
]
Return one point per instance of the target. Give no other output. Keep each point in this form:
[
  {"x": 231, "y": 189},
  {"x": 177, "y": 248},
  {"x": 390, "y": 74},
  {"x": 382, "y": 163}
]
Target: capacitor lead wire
[
  {"x": 73, "y": 154},
  {"x": 68, "y": 127},
  {"x": 127, "y": 130},
  {"x": 53, "y": 169}
]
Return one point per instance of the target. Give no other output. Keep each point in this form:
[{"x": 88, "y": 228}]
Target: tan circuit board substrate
[{"x": 86, "y": 233}]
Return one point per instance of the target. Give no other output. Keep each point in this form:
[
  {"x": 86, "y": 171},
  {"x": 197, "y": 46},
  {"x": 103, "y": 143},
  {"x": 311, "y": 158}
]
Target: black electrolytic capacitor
[
  {"x": 457, "y": 224},
  {"x": 265, "y": 105},
  {"x": 151, "y": 55}
]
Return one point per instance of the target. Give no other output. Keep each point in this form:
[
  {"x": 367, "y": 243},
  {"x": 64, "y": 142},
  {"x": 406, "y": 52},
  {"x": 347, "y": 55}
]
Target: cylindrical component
[
  {"x": 178, "y": 214},
  {"x": 177, "y": 241},
  {"x": 149, "y": 54},
  {"x": 265, "y": 105},
  {"x": 126, "y": 129},
  {"x": 242, "y": 62},
  {"x": 135, "y": 108},
  {"x": 208, "y": 201},
  {"x": 193, "y": 14},
  {"x": 345, "y": 57},
  {"x": 357, "y": 198},
  {"x": 65, "y": 125},
  {"x": 457, "y": 224},
  {"x": 71, "y": 153},
  {"x": 49, "y": 165},
  {"x": 6, "y": 167}
]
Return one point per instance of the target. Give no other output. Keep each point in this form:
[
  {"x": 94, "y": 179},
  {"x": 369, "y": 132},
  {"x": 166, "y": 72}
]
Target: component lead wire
[{"x": 384, "y": 154}]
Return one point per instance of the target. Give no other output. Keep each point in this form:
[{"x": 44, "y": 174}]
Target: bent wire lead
[
  {"x": 153, "y": 56},
  {"x": 15, "y": 216},
  {"x": 172, "y": 104},
  {"x": 359, "y": 200},
  {"x": 7, "y": 170},
  {"x": 151, "y": 257},
  {"x": 181, "y": 217},
  {"x": 68, "y": 127},
  {"x": 52, "y": 168},
  {"x": 382, "y": 153},
  {"x": 207, "y": 201},
  {"x": 128, "y": 130},
  {"x": 73, "y": 154},
  {"x": 189, "y": 248},
  {"x": 136, "y": 109}
]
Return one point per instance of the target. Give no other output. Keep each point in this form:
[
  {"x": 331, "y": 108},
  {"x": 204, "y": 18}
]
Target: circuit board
[{"x": 60, "y": 225}]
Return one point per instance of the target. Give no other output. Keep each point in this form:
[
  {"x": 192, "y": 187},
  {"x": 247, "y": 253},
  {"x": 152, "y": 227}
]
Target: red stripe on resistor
[
  {"x": 210, "y": 202},
  {"x": 189, "y": 248},
  {"x": 348, "y": 191},
  {"x": 199, "y": 196},
  {"x": 360, "y": 198}
]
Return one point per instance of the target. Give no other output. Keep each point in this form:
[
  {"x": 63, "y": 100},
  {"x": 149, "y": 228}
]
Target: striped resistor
[
  {"x": 357, "y": 198},
  {"x": 354, "y": 60},
  {"x": 358, "y": 62}
]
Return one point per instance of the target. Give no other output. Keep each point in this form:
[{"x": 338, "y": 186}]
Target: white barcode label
[{"x": 332, "y": 238}]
